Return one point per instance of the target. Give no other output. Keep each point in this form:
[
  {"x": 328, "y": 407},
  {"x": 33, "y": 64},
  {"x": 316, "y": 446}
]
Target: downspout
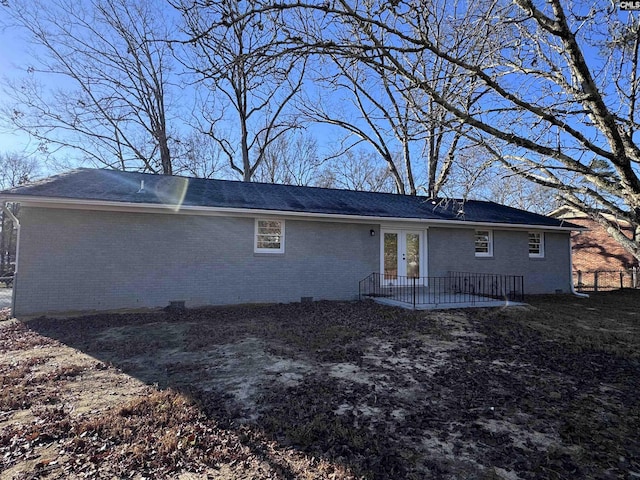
[
  {"x": 573, "y": 289},
  {"x": 16, "y": 225}
]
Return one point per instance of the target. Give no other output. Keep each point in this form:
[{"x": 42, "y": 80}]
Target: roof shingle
[{"x": 116, "y": 186}]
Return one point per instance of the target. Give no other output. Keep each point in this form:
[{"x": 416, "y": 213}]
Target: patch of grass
[
  {"x": 22, "y": 386},
  {"x": 14, "y": 380},
  {"x": 15, "y": 336},
  {"x": 605, "y": 322},
  {"x": 163, "y": 433},
  {"x": 612, "y": 418},
  {"x": 329, "y": 331},
  {"x": 547, "y": 391},
  {"x": 309, "y": 422},
  {"x": 67, "y": 372}
]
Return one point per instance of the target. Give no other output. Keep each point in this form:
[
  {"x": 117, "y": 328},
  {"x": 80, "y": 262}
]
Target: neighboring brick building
[{"x": 594, "y": 249}]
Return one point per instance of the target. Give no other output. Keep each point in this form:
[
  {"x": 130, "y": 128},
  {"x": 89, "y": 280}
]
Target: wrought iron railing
[{"x": 456, "y": 287}]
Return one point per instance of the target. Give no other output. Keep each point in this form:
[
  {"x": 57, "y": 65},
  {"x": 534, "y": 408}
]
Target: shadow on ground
[{"x": 385, "y": 392}]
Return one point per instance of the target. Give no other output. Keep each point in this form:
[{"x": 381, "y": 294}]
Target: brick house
[
  {"x": 107, "y": 240},
  {"x": 594, "y": 249}
]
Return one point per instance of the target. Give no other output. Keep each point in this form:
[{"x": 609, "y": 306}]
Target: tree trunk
[
  {"x": 165, "y": 155},
  {"x": 3, "y": 234}
]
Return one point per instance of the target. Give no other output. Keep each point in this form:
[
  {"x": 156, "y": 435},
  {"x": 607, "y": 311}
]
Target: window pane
[
  {"x": 268, "y": 243},
  {"x": 535, "y": 243},
  {"x": 269, "y": 234},
  {"x": 482, "y": 241},
  {"x": 266, "y": 227}
]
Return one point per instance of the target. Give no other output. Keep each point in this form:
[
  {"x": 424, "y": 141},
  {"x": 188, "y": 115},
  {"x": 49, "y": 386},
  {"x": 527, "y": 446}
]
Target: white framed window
[
  {"x": 484, "y": 243},
  {"x": 536, "y": 244},
  {"x": 269, "y": 236}
]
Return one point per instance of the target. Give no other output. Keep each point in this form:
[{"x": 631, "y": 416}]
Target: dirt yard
[{"x": 326, "y": 390}]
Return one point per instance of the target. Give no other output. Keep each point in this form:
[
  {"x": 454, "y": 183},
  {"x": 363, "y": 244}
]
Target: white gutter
[
  {"x": 85, "y": 204},
  {"x": 16, "y": 225},
  {"x": 573, "y": 289}
]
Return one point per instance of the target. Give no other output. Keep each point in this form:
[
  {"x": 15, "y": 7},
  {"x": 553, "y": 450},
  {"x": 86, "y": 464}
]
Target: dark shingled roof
[{"x": 116, "y": 186}]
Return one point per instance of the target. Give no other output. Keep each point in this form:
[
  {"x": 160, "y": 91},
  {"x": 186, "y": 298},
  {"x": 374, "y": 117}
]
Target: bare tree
[
  {"x": 249, "y": 88},
  {"x": 383, "y": 122},
  {"x": 416, "y": 137},
  {"x": 471, "y": 176},
  {"x": 15, "y": 169},
  {"x": 358, "y": 170},
  {"x": 549, "y": 105},
  {"x": 98, "y": 82},
  {"x": 516, "y": 191},
  {"x": 199, "y": 156},
  {"x": 292, "y": 159}
]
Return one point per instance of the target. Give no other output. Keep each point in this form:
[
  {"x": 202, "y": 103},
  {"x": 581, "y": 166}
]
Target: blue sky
[
  {"x": 12, "y": 53},
  {"x": 15, "y": 52}
]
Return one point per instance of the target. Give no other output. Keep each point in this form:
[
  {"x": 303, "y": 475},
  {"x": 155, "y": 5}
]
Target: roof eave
[{"x": 86, "y": 204}]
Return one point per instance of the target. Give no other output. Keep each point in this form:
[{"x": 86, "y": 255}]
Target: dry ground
[{"x": 326, "y": 390}]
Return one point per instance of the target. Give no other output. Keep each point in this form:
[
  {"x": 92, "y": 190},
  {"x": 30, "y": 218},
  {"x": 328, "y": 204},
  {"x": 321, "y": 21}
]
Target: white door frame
[{"x": 401, "y": 233}]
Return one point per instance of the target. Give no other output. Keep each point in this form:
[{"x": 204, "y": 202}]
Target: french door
[{"x": 401, "y": 256}]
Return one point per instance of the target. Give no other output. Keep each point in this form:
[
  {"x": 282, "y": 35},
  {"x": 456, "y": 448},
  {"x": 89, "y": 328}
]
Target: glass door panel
[
  {"x": 401, "y": 256},
  {"x": 390, "y": 254},
  {"x": 411, "y": 255}
]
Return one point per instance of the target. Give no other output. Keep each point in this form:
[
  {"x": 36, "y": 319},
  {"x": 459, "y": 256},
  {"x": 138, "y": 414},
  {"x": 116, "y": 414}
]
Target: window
[
  {"x": 536, "y": 244},
  {"x": 484, "y": 243},
  {"x": 269, "y": 236}
]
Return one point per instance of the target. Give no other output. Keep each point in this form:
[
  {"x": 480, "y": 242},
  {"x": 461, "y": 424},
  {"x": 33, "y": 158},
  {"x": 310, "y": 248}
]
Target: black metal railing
[{"x": 456, "y": 287}]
